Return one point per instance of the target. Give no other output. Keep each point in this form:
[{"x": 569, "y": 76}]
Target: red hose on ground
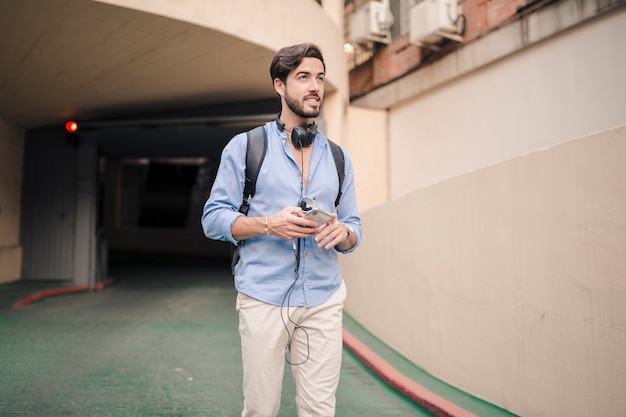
[
  {"x": 407, "y": 387},
  {"x": 58, "y": 291}
]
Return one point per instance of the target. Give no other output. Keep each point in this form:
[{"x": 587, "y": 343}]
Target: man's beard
[{"x": 298, "y": 108}]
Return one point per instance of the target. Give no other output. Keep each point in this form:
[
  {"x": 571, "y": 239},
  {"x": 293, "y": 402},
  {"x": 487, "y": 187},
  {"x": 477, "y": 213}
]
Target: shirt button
[{"x": 306, "y": 253}]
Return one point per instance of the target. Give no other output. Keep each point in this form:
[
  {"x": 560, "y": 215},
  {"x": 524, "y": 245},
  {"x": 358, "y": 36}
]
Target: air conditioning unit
[
  {"x": 372, "y": 22},
  {"x": 430, "y": 21}
]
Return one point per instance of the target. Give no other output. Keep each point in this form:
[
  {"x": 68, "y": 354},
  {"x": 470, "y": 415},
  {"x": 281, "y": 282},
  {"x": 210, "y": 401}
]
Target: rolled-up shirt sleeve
[{"x": 222, "y": 208}]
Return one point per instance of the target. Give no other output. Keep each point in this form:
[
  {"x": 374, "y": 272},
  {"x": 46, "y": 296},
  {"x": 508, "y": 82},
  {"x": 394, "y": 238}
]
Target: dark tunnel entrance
[
  {"x": 147, "y": 180},
  {"x": 157, "y": 179},
  {"x": 172, "y": 191}
]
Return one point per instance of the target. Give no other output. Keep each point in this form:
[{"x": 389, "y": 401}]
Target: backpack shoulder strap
[
  {"x": 256, "y": 146},
  {"x": 255, "y": 153},
  {"x": 340, "y": 163}
]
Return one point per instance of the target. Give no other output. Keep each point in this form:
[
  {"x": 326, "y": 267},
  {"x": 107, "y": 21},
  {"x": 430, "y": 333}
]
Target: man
[{"x": 290, "y": 293}]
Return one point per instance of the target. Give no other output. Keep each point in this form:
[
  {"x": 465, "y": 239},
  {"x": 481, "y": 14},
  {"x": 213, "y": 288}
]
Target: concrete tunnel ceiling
[{"x": 87, "y": 60}]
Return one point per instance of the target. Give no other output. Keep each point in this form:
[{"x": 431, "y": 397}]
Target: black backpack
[{"x": 255, "y": 153}]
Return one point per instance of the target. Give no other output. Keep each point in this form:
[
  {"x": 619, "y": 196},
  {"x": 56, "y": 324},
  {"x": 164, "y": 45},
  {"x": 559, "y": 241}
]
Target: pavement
[{"x": 162, "y": 340}]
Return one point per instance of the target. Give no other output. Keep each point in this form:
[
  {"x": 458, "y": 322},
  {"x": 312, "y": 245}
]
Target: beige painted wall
[
  {"x": 11, "y": 151},
  {"x": 498, "y": 261},
  {"x": 508, "y": 282},
  {"x": 366, "y": 140},
  {"x": 565, "y": 87}
]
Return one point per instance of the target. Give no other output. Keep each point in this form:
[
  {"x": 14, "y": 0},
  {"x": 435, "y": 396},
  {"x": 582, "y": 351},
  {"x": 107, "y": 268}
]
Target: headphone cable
[{"x": 287, "y": 297}]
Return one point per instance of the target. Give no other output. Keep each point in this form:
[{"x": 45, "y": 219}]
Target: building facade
[{"x": 495, "y": 254}]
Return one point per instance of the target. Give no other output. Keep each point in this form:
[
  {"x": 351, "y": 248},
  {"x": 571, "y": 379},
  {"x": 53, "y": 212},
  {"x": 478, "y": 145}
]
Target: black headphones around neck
[{"x": 300, "y": 135}]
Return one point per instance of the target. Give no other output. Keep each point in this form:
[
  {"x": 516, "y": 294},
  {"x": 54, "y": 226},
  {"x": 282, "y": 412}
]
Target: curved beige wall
[
  {"x": 272, "y": 25},
  {"x": 268, "y": 24}
]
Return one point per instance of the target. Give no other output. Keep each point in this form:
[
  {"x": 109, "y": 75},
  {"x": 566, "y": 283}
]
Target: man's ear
[{"x": 279, "y": 87}]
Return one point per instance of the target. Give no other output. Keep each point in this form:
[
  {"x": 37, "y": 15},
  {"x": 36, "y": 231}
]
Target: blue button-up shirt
[{"x": 266, "y": 268}]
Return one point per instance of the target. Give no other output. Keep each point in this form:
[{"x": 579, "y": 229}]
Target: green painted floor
[{"x": 162, "y": 341}]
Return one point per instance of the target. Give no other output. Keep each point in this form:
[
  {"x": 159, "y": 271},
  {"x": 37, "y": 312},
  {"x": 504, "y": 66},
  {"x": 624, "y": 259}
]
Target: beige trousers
[{"x": 314, "y": 336}]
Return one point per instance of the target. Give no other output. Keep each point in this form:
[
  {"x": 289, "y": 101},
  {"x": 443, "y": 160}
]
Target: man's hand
[
  {"x": 331, "y": 234},
  {"x": 289, "y": 224}
]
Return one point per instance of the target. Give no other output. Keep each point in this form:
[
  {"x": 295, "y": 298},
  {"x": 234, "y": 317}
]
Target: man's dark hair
[{"x": 289, "y": 57}]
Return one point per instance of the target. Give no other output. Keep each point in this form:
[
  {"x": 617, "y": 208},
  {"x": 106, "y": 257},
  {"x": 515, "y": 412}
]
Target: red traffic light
[{"x": 71, "y": 127}]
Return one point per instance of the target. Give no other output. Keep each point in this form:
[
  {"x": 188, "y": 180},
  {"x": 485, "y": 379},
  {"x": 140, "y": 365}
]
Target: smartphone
[{"x": 319, "y": 215}]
